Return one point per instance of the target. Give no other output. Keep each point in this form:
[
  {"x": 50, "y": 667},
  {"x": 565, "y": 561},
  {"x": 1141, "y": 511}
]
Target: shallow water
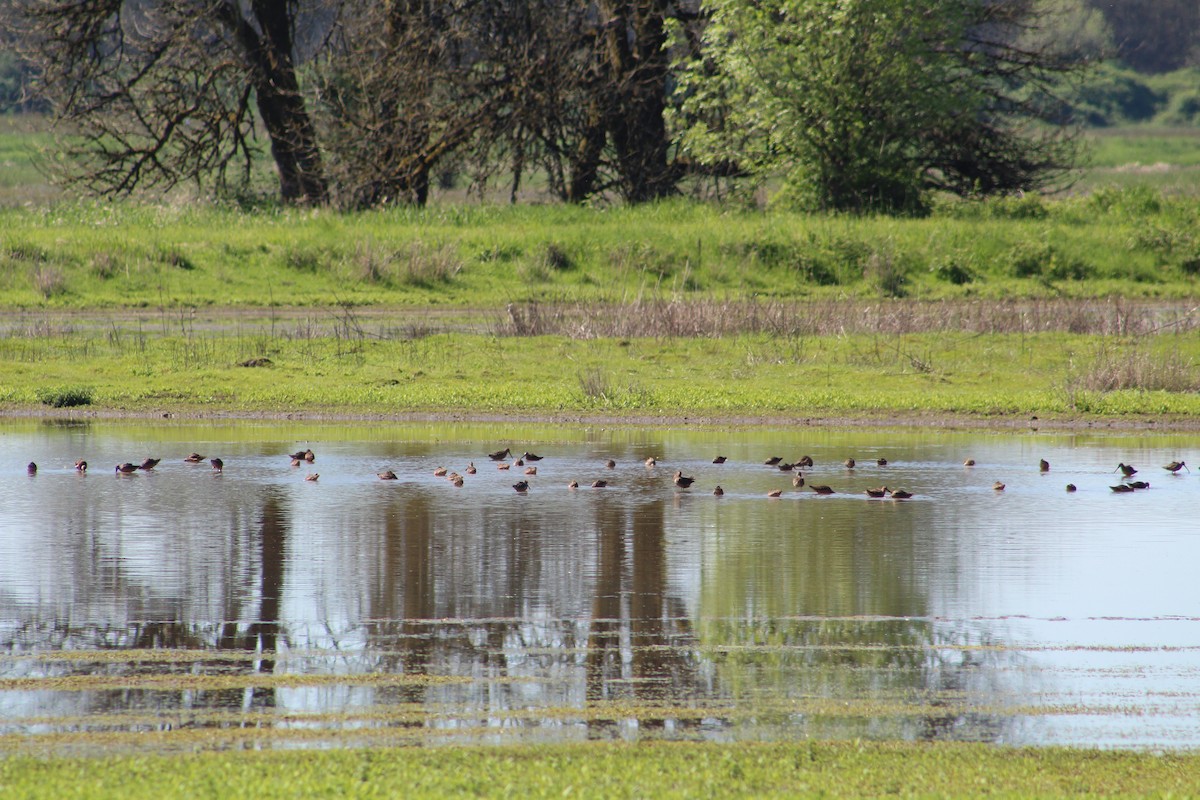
[{"x": 180, "y": 607}]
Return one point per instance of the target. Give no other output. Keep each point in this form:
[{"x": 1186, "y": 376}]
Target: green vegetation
[
  {"x": 362, "y": 372},
  {"x": 850, "y": 769},
  {"x": 1134, "y": 243}
]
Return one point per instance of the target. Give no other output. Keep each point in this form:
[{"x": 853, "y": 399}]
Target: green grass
[
  {"x": 1133, "y": 243},
  {"x": 661, "y": 770},
  {"x": 863, "y": 374}
]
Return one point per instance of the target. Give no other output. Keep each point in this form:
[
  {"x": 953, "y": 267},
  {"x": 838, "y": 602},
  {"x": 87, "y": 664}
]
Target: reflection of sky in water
[{"x": 1032, "y": 597}]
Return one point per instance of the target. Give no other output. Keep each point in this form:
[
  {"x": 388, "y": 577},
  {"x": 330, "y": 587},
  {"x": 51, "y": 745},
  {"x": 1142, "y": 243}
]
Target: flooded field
[{"x": 183, "y": 607}]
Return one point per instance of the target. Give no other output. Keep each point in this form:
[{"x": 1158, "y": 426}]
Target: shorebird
[
  {"x": 998, "y": 486},
  {"x": 798, "y": 480},
  {"x": 440, "y": 472},
  {"x": 970, "y": 462},
  {"x": 719, "y": 460},
  {"x": 681, "y": 481},
  {"x": 31, "y": 468},
  {"x": 520, "y": 462},
  {"x": 882, "y": 462},
  {"x": 457, "y": 480},
  {"x": 81, "y": 465},
  {"x": 471, "y": 468},
  {"x": 882, "y": 491},
  {"x": 1043, "y": 465},
  {"x": 312, "y": 476},
  {"x": 531, "y": 470},
  {"x": 1139, "y": 484},
  {"x": 217, "y": 464},
  {"x": 296, "y": 461},
  {"x": 650, "y": 462},
  {"x": 900, "y": 494},
  {"x": 1071, "y": 487},
  {"x": 718, "y": 491},
  {"x": 1121, "y": 488},
  {"x": 805, "y": 461},
  {"x": 149, "y": 463},
  {"x": 821, "y": 489},
  {"x": 773, "y": 460},
  {"x": 303, "y": 455},
  {"x": 521, "y": 486},
  {"x": 1126, "y": 469},
  {"x": 387, "y": 475},
  {"x": 610, "y": 464},
  {"x": 785, "y": 467},
  {"x": 195, "y": 458},
  {"x": 775, "y": 493},
  {"x": 503, "y": 465},
  {"x": 500, "y": 455},
  {"x": 849, "y": 462},
  {"x": 531, "y": 457},
  {"x": 599, "y": 484},
  {"x": 126, "y": 468},
  {"x": 573, "y": 485},
  {"x": 1175, "y": 466}
]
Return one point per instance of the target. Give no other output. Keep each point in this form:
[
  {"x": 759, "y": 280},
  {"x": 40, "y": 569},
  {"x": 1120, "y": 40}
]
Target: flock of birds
[{"x": 528, "y": 461}]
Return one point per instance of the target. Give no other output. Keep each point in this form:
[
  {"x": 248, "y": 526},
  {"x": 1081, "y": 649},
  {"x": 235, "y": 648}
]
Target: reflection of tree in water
[
  {"x": 840, "y": 612},
  {"x": 167, "y": 624}
]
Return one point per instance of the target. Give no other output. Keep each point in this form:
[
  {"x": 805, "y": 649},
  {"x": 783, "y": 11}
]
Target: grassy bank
[
  {"x": 1047, "y": 374},
  {"x": 1132, "y": 243},
  {"x": 826, "y": 769}
]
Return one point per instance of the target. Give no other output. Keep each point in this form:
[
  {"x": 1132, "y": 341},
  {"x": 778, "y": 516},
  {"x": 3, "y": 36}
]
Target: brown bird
[
  {"x": 500, "y": 455},
  {"x": 310, "y": 456},
  {"x": 297, "y": 456},
  {"x": 882, "y": 462},
  {"x": 1071, "y": 487},
  {"x": 970, "y": 462},
  {"x": 531, "y": 457},
  {"x": 805, "y": 461},
  {"x": 503, "y": 465},
  {"x": 312, "y": 476},
  {"x": 126, "y": 468},
  {"x": 1175, "y": 466},
  {"x": 387, "y": 475},
  {"x": 573, "y": 485},
  {"x": 149, "y": 463},
  {"x": 1121, "y": 488},
  {"x": 521, "y": 486},
  {"x": 900, "y": 494},
  {"x": 599, "y": 484},
  {"x": 457, "y": 480},
  {"x": 303, "y": 455},
  {"x": 440, "y": 472},
  {"x": 718, "y": 491},
  {"x": 81, "y": 465},
  {"x": 798, "y": 480},
  {"x": 531, "y": 470},
  {"x": 1043, "y": 465},
  {"x": 471, "y": 468},
  {"x": 786, "y": 467},
  {"x": 719, "y": 460},
  {"x": 31, "y": 468},
  {"x": 217, "y": 464},
  {"x": 520, "y": 462},
  {"x": 296, "y": 462},
  {"x": 821, "y": 489},
  {"x": 194, "y": 458},
  {"x": 882, "y": 491},
  {"x": 1139, "y": 484},
  {"x": 775, "y": 493},
  {"x": 998, "y": 486},
  {"x": 849, "y": 462},
  {"x": 681, "y": 481},
  {"x": 651, "y": 461},
  {"x": 773, "y": 460},
  {"x": 1126, "y": 469},
  {"x": 610, "y": 464}
]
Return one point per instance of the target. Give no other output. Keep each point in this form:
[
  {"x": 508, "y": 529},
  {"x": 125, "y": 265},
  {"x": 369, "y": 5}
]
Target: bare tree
[{"x": 161, "y": 93}]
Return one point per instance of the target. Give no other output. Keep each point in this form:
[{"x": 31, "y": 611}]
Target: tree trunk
[{"x": 284, "y": 114}]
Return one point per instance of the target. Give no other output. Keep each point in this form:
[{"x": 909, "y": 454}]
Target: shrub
[{"x": 65, "y": 396}]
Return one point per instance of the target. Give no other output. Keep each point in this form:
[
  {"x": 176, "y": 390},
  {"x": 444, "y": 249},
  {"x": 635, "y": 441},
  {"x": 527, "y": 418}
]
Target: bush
[{"x": 65, "y": 396}]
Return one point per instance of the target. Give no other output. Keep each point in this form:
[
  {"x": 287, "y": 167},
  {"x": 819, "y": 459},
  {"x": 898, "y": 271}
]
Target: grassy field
[{"x": 615, "y": 770}]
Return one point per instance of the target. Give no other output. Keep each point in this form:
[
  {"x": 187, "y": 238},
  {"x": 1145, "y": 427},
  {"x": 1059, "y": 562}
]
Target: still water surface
[{"x": 181, "y": 607}]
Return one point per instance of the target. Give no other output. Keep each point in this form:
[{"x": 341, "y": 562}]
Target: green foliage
[
  {"x": 866, "y": 105},
  {"x": 64, "y": 396}
]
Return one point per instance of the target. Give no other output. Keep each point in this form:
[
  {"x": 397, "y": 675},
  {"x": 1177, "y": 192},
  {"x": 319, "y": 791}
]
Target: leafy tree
[
  {"x": 1154, "y": 36},
  {"x": 870, "y": 104}
]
